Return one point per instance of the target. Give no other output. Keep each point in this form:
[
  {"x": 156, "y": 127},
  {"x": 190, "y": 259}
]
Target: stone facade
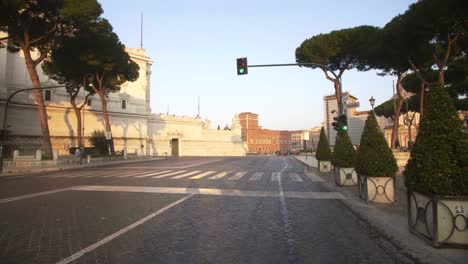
[
  {"x": 134, "y": 128},
  {"x": 266, "y": 141}
]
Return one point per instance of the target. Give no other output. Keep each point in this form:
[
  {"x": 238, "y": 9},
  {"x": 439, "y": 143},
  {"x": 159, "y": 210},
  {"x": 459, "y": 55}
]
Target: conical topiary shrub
[
  {"x": 323, "y": 148},
  {"x": 375, "y": 165},
  {"x": 374, "y": 157},
  {"x": 344, "y": 154},
  {"x": 439, "y": 158},
  {"x": 437, "y": 174},
  {"x": 344, "y": 160}
]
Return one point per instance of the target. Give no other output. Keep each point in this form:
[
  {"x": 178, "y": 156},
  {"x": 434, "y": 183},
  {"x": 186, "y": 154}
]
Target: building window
[
  {"x": 89, "y": 102},
  {"x": 124, "y": 104},
  {"x": 47, "y": 95}
]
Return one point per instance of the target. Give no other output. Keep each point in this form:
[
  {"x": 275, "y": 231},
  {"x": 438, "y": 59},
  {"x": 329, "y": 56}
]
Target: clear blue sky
[{"x": 194, "y": 45}]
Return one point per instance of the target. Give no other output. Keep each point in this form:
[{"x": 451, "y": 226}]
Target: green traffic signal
[
  {"x": 242, "y": 67},
  {"x": 345, "y": 128}
]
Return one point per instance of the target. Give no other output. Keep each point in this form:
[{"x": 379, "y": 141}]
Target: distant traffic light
[
  {"x": 341, "y": 123},
  {"x": 336, "y": 124},
  {"x": 344, "y": 122},
  {"x": 242, "y": 67}
]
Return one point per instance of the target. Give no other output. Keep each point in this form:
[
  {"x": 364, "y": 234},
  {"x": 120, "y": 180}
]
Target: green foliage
[
  {"x": 343, "y": 49},
  {"x": 323, "y": 148},
  {"x": 43, "y": 24},
  {"x": 374, "y": 157},
  {"x": 344, "y": 154},
  {"x": 99, "y": 142},
  {"x": 95, "y": 50},
  {"x": 387, "y": 108},
  {"x": 439, "y": 158}
]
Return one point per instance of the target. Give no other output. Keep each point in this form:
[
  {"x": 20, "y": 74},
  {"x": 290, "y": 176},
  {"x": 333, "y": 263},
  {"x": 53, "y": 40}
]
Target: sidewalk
[
  {"x": 10, "y": 171},
  {"x": 390, "y": 220}
]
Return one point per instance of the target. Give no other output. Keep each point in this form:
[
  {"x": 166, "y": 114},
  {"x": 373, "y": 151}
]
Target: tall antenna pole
[
  {"x": 141, "y": 31},
  {"x": 198, "y": 115}
]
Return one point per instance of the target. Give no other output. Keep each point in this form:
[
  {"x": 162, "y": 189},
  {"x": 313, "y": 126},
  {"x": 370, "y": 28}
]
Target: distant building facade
[
  {"x": 134, "y": 128},
  {"x": 357, "y": 119},
  {"x": 266, "y": 141}
]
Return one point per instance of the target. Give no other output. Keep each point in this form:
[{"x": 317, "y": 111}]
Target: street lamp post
[
  {"x": 5, "y": 116},
  {"x": 372, "y": 102}
]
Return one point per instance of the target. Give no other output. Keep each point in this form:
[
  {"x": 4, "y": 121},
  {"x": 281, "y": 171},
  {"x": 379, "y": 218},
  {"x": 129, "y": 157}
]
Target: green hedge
[
  {"x": 439, "y": 158},
  {"x": 375, "y": 158},
  {"x": 344, "y": 154},
  {"x": 99, "y": 142},
  {"x": 323, "y": 148}
]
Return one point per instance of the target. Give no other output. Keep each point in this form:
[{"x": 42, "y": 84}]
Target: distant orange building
[{"x": 263, "y": 141}]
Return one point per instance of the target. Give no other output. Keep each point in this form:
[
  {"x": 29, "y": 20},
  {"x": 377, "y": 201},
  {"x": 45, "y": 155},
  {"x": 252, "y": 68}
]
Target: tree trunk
[
  {"x": 43, "y": 118},
  {"x": 396, "y": 122},
  {"x": 421, "y": 102},
  {"x": 78, "y": 122},
  {"x": 105, "y": 115},
  {"x": 441, "y": 77}
]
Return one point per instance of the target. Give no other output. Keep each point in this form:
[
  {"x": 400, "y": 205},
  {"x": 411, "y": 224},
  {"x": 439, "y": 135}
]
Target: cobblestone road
[{"x": 188, "y": 210}]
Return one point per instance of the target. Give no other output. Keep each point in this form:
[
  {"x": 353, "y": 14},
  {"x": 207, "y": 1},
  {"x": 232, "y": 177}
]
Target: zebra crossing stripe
[
  {"x": 131, "y": 174},
  {"x": 314, "y": 177},
  {"x": 275, "y": 176},
  {"x": 256, "y": 176},
  {"x": 238, "y": 175},
  {"x": 152, "y": 174},
  {"x": 185, "y": 174},
  {"x": 295, "y": 177},
  {"x": 168, "y": 174},
  {"x": 219, "y": 175},
  {"x": 202, "y": 175}
]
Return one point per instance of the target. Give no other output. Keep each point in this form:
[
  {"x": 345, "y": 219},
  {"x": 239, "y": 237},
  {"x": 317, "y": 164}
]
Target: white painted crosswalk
[
  {"x": 256, "y": 176},
  {"x": 251, "y": 176}
]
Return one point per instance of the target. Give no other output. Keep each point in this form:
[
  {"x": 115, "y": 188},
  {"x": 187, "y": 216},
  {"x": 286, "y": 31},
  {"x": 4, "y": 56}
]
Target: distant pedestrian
[{"x": 78, "y": 152}]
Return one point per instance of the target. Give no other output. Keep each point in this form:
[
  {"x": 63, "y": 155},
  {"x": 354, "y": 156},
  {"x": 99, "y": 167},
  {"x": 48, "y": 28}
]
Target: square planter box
[
  {"x": 324, "y": 166},
  {"x": 345, "y": 176},
  {"x": 440, "y": 220},
  {"x": 377, "y": 189}
]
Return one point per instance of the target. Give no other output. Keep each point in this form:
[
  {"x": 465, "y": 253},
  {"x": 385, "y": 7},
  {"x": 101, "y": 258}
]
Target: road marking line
[
  {"x": 275, "y": 176},
  {"x": 202, "y": 175},
  {"x": 131, "y": 174},
  {"x": 121, "y": 231},
  {"x": 206, "y": 191},
  {"x": 285, "y": 215},
  {"x": 314, "y": 177},
  {"x": 152, "y": 174},
  {"x": 37, "y": 194},
  {"x": 256, "y": 176},
  {"x": 185, "y": 174},
  {"x": 295, "y": 177},
  {"x": 219, "y": 175},
  {"x": 174, "y": 167},
  {"x": 238, "y": 175},
  {"x": 168, "y": 174}
]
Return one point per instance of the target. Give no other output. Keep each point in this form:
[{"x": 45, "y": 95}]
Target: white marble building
[{"x": 134, "y": 128}]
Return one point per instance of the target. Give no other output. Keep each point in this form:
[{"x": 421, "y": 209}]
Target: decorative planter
[
  {"x": 377, "y": 189},
  {"x": 324, "y": 166},
  {"x": 440, "y": 220},
  {"x": 345, "y": 176}
]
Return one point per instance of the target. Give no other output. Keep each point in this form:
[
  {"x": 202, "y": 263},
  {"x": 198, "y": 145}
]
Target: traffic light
[
  {"x": 242, "y": 67},
  {"x": 344, "y": 122},
  {"x": 336, "y": 124},
  {"x": 341, "y": 123}
]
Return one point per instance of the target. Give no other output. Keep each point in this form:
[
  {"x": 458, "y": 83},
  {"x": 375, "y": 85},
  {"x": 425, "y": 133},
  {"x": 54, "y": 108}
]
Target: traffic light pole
[{"x": 340, "y": 103}]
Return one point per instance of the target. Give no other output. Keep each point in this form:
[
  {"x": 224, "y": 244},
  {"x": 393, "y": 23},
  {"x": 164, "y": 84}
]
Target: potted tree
[
  {"x": 436, "y": 175},
  {"x": 344, "y": 160},
  {"x": 323, "y": 154},
  {"x": 376, "y": 165}
]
